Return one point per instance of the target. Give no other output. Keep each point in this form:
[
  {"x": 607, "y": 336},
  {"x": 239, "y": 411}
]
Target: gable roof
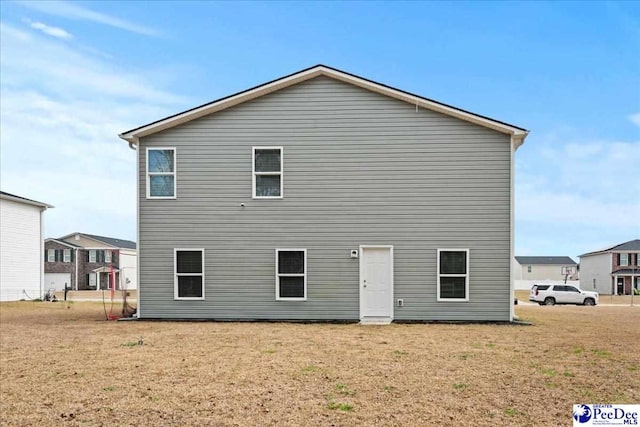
[
  {"x": 631, "y": 245},
  {"x": 13, "y": 197},
  {"x": 517, "y": 133},
  {"x": 542, "y": 260},
  {"x": 112, "y": 241},
  {"x": 62, "y": 242}
]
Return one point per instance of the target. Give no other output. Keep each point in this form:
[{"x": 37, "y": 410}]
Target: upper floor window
[
  {"x": 528, "y": 269},
  {"x": 453, "y": 275},
  {"x": 107, "y": 256},
  {"x": 92, "y": 255},
  {"x": 51, "y": 255},
  {"x": 161, "y": 173},
  {"x": 267, "y": 172},
  {"x": 66, "y": 255},
  {"x": 624, "y": 259}
]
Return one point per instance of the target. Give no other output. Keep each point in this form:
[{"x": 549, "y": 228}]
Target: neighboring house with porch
[
  {"x": 21, "y": 247},
  {"x": 83, "y": 261},
  {"x": 614, "y": 270},
  {"x": 544, "y": 268},
  {"x": 325, "y": 196}
]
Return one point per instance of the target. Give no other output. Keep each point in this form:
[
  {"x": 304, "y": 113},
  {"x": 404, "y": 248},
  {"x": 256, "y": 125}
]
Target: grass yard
[{"x": 67, "y": 366}]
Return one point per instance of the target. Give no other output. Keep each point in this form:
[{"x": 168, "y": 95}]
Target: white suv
[{"x": 562, "y": 294}]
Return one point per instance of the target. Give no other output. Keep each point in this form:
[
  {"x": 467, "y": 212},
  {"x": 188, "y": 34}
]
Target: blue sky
[{"x": 74, "y": 75}]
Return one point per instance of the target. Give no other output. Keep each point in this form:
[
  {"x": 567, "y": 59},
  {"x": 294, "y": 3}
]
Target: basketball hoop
[{"x": 567, "y": 273}]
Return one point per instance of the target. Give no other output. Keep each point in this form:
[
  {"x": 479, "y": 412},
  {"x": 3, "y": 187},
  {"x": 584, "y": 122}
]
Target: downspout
[
  {"x": 42, "y": 252},
  {"x": 512, "y": 309},
  {"x": 76, "y": 249},
  {"x": 134, "y": 144},
  {"x": 517, "y": 139},
  {"x": 138, "y": 229}
]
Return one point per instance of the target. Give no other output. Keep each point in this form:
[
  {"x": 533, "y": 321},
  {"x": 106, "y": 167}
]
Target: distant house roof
[
  {"x": 62, "y": 242},
  {"x": 626, "y": 271},
  {"x": 541, "y": 260},
  {"x": 118, "y": 243},
  {"x": 631, "y": 245},
  {"x": 13, "y": 197},
  {"x": 518, "y": 134}
]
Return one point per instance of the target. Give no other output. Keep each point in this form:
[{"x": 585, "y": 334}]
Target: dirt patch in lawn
[{"x": 67, "y": 366}]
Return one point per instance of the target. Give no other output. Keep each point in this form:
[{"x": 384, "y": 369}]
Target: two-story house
[
  {"x": 83, "y": 261},
  {"x": 325, "y": 196},
  {"x": 21, "y": 247},
  {"x": 614, "y": 270}
]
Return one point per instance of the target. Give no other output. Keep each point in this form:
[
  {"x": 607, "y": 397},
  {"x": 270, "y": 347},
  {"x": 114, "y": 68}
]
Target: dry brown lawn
[
  {"x": 67, "y": 366},
  {"x": 97, "y": 295}
]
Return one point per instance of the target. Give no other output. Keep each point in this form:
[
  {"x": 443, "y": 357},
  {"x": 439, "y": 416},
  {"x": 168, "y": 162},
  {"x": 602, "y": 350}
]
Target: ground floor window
[
  {"x": 291, "y": 274},
  {"x": 453, "y": 275},
  {"x": 189, "y": 274}
]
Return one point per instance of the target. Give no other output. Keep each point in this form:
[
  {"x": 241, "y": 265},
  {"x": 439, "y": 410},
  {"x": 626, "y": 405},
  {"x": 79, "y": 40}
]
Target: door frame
[{"x": 361, "y": 252}]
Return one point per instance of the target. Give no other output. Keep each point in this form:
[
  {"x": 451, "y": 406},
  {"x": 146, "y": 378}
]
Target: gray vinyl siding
[{"x": 359, "y": 169}]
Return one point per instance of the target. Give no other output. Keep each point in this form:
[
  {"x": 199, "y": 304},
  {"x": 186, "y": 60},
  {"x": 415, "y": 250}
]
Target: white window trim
[
  {"x": 93, "y": 277},
  {"x": 626, "y": 260},
  {"x": 174, "y": 173},
  {"x": 254, "y": 173},
  {"x": 278, "y": 275},
  {"x": 95, "y": 255},
  {"x": 51, "y": 255},
  {"x": 176, "y": 274},
  {"x": 107, "y": 256},
  {"x": 66, "y": 258},
  {"x": 466, "y": 298}
]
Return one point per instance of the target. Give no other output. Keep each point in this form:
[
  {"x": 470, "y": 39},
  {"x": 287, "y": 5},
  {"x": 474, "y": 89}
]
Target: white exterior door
[{"x": 376, "y": 283}]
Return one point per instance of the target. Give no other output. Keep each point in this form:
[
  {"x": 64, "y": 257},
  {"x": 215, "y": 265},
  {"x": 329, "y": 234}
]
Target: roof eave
[
  {"x": 62, "y": 242},
  {"x": 87, "y": 237},
  {"x": 26, "y": 201},
  {"x": 518, "y": 135}
]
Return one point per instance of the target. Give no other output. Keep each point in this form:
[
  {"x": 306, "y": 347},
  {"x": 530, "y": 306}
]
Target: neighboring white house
[
  {"x": 544, "y": 268},
  {"x": 128, "y": 267},
  {"x": 21, "y": 247}
]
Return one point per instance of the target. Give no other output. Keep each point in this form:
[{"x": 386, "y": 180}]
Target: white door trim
[{"x": 362, "y": 249}]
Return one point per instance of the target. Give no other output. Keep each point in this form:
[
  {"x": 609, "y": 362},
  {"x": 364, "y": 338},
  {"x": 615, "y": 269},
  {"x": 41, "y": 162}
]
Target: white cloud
[
  {"x": 74, "y": 11},
  {"x": 14, "y": 33},
  {"x": 61, "y": 111},
  {"x": 635, "y": 119},
  {"x": 545, "y": 206},
  {"x": 65, "y": 70},
  {"x": 570, "y": 194},
  {"x": 49, "y": 30}
]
